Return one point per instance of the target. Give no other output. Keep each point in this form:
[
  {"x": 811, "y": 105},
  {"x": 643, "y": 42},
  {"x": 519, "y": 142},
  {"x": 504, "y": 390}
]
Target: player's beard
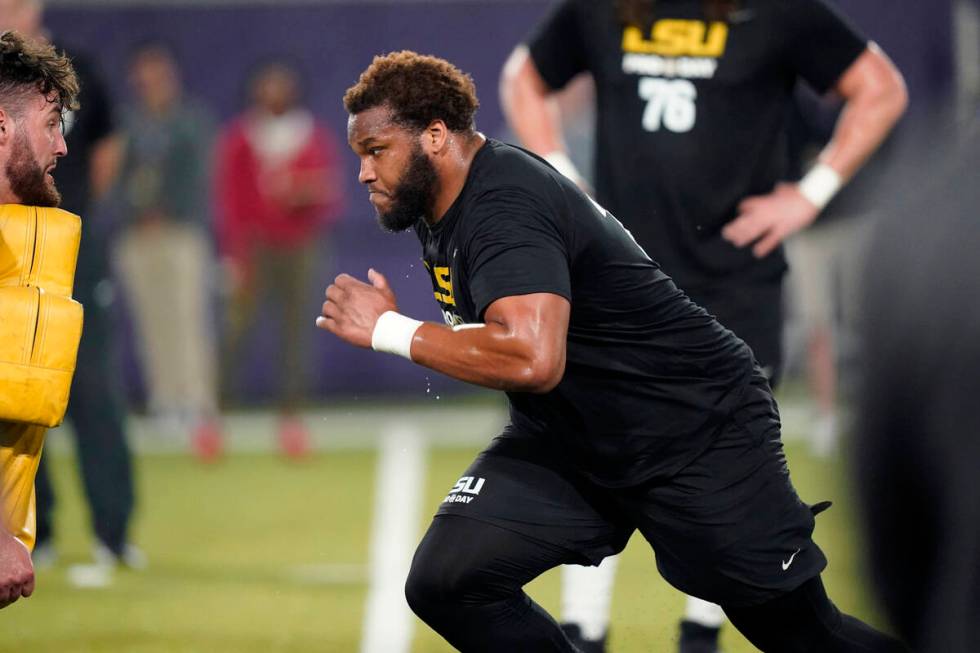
[
  {"x": 25, "y": 176},
  {"x": 413, "y": 196}
]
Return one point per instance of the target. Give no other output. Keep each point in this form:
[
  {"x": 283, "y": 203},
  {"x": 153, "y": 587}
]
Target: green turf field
[{"x": 260, "y": 554}]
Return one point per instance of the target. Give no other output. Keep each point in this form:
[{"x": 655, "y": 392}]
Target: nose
[
  {"x": 60, "y": 146},
  {"x": 366, "y": 175}
]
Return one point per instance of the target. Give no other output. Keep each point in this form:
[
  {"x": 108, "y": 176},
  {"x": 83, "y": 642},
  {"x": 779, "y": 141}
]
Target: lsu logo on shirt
[
  {"x": 678, "y": 38},
  {"x": 442, "y": 288},
  {"x": 673, "y": 53}
]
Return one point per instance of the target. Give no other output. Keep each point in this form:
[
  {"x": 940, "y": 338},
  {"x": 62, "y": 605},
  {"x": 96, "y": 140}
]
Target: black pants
[
  {"x": 95, "y": 410},
  {"x": 467, "y": 577}
]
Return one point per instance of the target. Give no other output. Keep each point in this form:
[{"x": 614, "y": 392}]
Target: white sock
[
  {"x": 824, "y": 435},
  {"x": 704, "y": 613},
  {"x": 586, "y": 596}
]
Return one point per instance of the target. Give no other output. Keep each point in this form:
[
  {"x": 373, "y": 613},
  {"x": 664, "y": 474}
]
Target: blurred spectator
[
  {"x": 918, "y": 435},
  {"x": 163, "y": 252},
  {"x": 278, "y": 190},
  {"x": 95, "y": 409}
]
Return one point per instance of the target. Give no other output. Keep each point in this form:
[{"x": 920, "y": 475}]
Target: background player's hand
[
  {"x": 768, "y": 220},
  {"x": 16, "y": 570},
  {"x": 353, "y": 307}
]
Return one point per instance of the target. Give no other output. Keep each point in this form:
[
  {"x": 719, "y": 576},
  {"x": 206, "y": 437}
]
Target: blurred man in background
[
  {"x": 96, "y": 409},
  {"x": 36, "y": 86},
  {"x": 277, "y": 191},
  {"x": 692, "y": 97},
  {"x": 164, "y": 252}
]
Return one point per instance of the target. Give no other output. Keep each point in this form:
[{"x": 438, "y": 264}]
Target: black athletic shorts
[
  {"x": 754, "y": 313},
  {"x": 728, "y": 528}
]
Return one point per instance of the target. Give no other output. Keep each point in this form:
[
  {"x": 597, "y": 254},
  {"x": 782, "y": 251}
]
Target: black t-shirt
[
  {"x": 83, "y": 129},
  {"x": 691, "y": 115},
  {"x": 649, "y": 376}
]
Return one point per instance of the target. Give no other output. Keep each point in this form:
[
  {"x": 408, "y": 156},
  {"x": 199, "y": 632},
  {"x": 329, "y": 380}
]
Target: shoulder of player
[
  {"x": 505, "y": 165},
  {"x": 496, "y": 206},
  {"x": 502, "y": 201}
]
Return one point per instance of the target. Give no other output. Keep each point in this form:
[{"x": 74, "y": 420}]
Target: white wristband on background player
[
  {"x": 560, "y": 162},
  {"x": 820, "y": 185},
  {"x": 393, "y": 333}
]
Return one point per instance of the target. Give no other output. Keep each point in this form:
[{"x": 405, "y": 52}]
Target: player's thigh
[
  {"x": 528, "y": 495},
  {"x": 730, "y": 528},
  {"x": 468, "y": 561}
]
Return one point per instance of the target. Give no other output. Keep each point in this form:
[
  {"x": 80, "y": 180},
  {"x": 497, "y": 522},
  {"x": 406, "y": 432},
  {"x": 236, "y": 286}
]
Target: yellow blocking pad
[
  {"x": 39, "y": 336},
  {"x": 40, "y": 328},
  {"x": 39, "y": 247},
  {"x": 41, "y": 325},
  {"x": 20, "y": 452}
]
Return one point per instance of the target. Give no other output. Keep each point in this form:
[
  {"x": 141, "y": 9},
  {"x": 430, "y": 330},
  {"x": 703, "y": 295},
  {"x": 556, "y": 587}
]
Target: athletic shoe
[
  {"x": 206, "y": 441},
  {"x": 574, "y": 634},
  {"x": 90, "y": 576},
  {"x": 131, "y": 556},
  {"x": 696, "y": 638},
  {"x": 294, "y": 438},
  {"x": 824, "y": 436}
]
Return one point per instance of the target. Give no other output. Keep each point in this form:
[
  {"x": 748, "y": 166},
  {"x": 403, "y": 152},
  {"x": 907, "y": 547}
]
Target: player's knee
[
  {"x": 432, "y": 585},
  {"x": 441, "y": 583},
  {"x": 421, "y": 590}
]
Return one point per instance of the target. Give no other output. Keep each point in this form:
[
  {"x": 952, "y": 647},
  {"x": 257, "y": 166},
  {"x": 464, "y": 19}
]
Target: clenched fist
[
  {"x": 353, "y": 307},
  {"x": 16, "y": 570}
]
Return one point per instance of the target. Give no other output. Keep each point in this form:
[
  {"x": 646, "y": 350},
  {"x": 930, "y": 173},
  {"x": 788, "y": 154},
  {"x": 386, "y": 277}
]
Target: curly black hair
[
  {"x": 418, "y": 89},
  {"x": 28, "y": 66}
]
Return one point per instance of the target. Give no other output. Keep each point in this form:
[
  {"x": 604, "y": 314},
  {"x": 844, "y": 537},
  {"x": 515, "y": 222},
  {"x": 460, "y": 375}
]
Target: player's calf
[{"x": 806, "y": 621}]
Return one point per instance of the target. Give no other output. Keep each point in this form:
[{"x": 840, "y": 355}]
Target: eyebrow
[{"x": 367, "y": 141}]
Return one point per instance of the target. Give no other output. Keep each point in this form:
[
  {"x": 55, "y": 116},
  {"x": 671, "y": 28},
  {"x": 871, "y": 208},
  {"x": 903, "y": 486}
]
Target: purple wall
[
  {"x": 919, "y": 38},
  {"x": 333, "y": 43}
]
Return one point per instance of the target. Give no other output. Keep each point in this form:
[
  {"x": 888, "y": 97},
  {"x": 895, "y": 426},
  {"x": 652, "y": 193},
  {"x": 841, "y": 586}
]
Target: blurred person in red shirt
[{"x": 278, "y": 191}]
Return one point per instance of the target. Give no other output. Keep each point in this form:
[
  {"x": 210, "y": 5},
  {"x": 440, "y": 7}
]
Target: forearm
[
  {"x": 519, "y": 347},
  {"x": 874, "y": 103},
  {"x": 488, "y": 355},
  {"x": 529, "y": 106}
]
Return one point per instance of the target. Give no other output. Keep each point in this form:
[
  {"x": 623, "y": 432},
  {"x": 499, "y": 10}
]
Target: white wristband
[
  {"x": 563, "y": 164},
  {"x": 820, "y": 185},
  {"x": 393, "y": 333}
]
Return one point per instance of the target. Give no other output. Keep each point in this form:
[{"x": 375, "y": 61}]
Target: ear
[
  {"x": 435, "y": 137},
  {"x": 6, "y": 126}
]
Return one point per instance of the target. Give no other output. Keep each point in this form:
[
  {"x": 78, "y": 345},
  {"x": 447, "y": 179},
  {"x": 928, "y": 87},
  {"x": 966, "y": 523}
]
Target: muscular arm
[
  {"x": 533, "y": 114},
  {"x": 528, "y": 104},
  {"x": 875, "y": 97},
  {"x": 521, "y": 346}
]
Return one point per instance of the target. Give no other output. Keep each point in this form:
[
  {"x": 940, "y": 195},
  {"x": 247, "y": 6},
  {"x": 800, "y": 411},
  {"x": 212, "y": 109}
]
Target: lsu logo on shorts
[{"x": 465, "y": 490}]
